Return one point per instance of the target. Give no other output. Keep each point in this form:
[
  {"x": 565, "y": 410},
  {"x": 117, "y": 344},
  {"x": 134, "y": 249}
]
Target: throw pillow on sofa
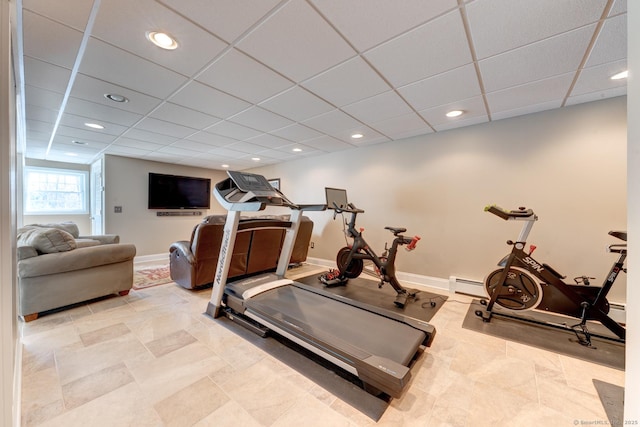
[
  {"x": 46, "y": 240},
  {"x": 68, "y": 226}
]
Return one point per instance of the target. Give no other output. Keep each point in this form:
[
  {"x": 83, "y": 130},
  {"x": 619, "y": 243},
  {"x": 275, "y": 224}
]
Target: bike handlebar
[{"x": 507, "y": 215}]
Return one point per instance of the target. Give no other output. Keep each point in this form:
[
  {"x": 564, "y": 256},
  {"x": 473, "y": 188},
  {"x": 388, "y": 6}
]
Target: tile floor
[{"x": 153, "y": 359}]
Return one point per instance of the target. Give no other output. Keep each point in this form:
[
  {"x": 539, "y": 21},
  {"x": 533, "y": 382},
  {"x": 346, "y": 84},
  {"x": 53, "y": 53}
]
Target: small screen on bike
[{"x": 336, "y": 197}]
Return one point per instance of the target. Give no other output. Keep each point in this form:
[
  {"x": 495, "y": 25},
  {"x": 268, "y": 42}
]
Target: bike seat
[
  {"x": 396, "y": 230},
  {"x": 622, "y": 235}
]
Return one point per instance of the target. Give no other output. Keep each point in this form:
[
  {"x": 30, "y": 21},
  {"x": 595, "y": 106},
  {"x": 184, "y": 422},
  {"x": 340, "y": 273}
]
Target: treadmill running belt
[{"x": 340, "y": 325}]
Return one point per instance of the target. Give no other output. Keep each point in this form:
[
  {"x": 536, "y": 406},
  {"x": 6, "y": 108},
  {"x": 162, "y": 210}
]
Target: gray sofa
[{"x": 57, "y": 267}]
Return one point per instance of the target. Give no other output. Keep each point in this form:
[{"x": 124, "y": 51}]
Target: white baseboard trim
[{"x": 142, "y": 259}]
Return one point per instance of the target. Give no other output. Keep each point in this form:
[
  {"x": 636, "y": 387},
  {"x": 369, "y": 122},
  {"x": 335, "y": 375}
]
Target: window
[{"x": 55, "y": 191}]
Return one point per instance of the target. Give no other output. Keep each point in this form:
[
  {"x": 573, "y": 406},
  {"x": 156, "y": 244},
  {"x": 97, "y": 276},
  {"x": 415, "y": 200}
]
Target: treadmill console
[
  {"x": 336, "y": 197},
  {"x": 248, "y": 192}
]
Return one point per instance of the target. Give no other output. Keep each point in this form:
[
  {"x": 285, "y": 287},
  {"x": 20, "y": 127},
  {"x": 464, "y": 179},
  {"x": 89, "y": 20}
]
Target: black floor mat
[
  {"x": 603, "y": 352},
  {"x": 367, "y": 291}
]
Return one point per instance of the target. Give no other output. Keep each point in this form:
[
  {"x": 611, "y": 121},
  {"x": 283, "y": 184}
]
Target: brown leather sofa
[{"x": 192, "y": 263}]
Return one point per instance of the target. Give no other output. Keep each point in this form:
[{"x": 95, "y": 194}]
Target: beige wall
[
  {"x": 568, "y": 165},
  {"x": 126, "y": 182}
]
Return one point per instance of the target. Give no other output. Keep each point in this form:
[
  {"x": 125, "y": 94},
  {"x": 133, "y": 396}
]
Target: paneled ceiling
[{"x": 279, "y": 80}]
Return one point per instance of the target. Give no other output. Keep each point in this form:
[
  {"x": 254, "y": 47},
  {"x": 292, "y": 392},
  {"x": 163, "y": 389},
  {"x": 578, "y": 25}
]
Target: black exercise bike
[
  {"x": 512, "y": 288},
  {"x": 350, "y": 259}
]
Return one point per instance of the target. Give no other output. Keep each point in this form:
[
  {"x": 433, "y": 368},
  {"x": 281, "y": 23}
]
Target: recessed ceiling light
[
  {"x": 225, "y": 166},
  {"x": 255, "y": 159},
  {"x": 80, "y": 142},
  {"x": 115, "y": 97},
  {"x": 357, "y": 136},
  {"x": 162, "y": 40},
  {"x": 455, "y": 113},
  {"x": 94, "y": 126},
  {"x": 297, "y": 150},
  {"x": 622, "y": 75},
  {"x": 71, "y": 154}
]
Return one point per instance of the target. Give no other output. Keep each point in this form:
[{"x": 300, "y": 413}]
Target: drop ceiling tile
[
  {"x": 102, "y": 112},
  {"x": 75, "y": 16},
  {"x": 241, "y": 76},
  {"x": 126, "y": 151},
  {"x": 459, "y": 83},
  {"x": 76, "y": 121},
  {"x": 144, "y": 135},
  {"x": 138, "y": 144},
  {"x": 94, "y": 90},
  {"x": 333, "y": 121},
  {"x": 44, "y": 128},
  {"x": 529, "y": 109},
  {"x": 164, "y": 128},
  {"x": 227, "y": 19},
  {"x": 473, "y": 108},
  {"x": 46, "y": 76},
  {"x": 40, "y": 114},
  {"x": 246, "y": 147},
  {"x": 296, "y": 133},
  {"x": 174, "y": 113},
  {"x": 619, "y": 6},
  {"x": 597, "y": 95},
  {"x": 72, "y": 133},
  {"x": 208, "y": 100},
  {"x": 611, "y": 44},
  {"x": 379, "y": 107},
  {"x": 260, "y": 119},
  {"x": 42, "y": 97},
  {"x": 297, "y": 41},
  {"x": 366, "y": 23},
  {"x": 61, "y": 142},
  {"x": 269, "y": 141},
  {"x": 50, "y": 41},
  {"x": 227, "y": 153},
  {"x": 297, "y": 104},
  {"x": 211, "y": 139},
  {"x": 594, "y": 79},
  {"x": 430, "y": 49},
  {"x": 402, "y": 126},
  {"x": 501, "y": 25},
  {"x": 347, "y": 83},
  {"x": 196, "y": 47},
  {"x": 328, "y": 144},
  {"x": 232, "y": 130},
  {"x": 547, "y": 58},
  {"x": 178, "y": 151},
  {"x": 131, "y": 70},
  {"x": 541, "y": 91},
  {"x": 277, "y": 155}
]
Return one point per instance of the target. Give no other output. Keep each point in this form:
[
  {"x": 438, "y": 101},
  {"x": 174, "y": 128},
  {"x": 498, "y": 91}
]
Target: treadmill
[{"x": 376, "y": 345}]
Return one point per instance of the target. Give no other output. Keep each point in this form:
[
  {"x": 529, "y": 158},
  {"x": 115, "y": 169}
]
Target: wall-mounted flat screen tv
[{"x": 178, "y": 192}]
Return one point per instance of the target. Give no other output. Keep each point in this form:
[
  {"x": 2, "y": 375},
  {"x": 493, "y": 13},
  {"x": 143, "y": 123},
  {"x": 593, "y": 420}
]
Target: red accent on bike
[
  {"x": 532, "y": 248},
  {"x": 361, "y": 229},
  {"x": 411, "y": 246}
]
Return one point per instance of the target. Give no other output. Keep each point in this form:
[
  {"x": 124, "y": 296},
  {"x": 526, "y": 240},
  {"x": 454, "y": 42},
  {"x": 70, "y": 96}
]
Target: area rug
[{"x": 151, "y": 276}]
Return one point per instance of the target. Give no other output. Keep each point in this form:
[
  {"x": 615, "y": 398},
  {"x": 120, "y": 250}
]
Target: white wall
[
  {"x": 126, "y": 182},
  {"x": 568, "y": 165}
]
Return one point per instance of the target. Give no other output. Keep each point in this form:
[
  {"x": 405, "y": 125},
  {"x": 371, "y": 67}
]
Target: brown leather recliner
[{"x": 192, "y": 263}]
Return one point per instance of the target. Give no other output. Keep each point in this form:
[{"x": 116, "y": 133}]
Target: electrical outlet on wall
[
  {"x": 312, "y": 245},
  {"x": 117, "y": 209}
]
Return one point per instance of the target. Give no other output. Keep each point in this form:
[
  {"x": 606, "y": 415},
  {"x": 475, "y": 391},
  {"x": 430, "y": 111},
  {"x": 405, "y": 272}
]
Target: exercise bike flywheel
[{"x": 519, "y": 292}]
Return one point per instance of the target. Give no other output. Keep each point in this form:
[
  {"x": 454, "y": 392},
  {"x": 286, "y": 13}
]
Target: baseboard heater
[{"x": 475, "y": 288}]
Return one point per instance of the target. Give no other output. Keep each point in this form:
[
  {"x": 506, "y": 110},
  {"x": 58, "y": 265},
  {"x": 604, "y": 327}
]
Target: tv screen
[{"x": 178, "y": 192}]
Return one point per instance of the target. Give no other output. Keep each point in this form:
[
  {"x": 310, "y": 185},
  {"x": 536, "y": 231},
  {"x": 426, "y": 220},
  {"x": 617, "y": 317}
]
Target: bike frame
[
  {"x": 360, "y": 249},
  {"x": 590, "y": 309}
]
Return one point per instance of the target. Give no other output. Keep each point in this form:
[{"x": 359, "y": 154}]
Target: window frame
[{"x": 84, "y": 192}]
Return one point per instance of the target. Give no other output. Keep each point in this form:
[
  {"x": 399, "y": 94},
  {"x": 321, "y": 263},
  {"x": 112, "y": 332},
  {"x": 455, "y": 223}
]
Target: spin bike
[
  {"x": 512, "y": 288},
  {"x": 350, "y": 259}
]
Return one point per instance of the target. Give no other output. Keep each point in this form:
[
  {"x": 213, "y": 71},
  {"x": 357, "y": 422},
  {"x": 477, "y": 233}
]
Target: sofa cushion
[
  {"x": 68, "y": 226},
  {"x": 85, "y": 243},
  {"x": 46, "y": 240}
]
